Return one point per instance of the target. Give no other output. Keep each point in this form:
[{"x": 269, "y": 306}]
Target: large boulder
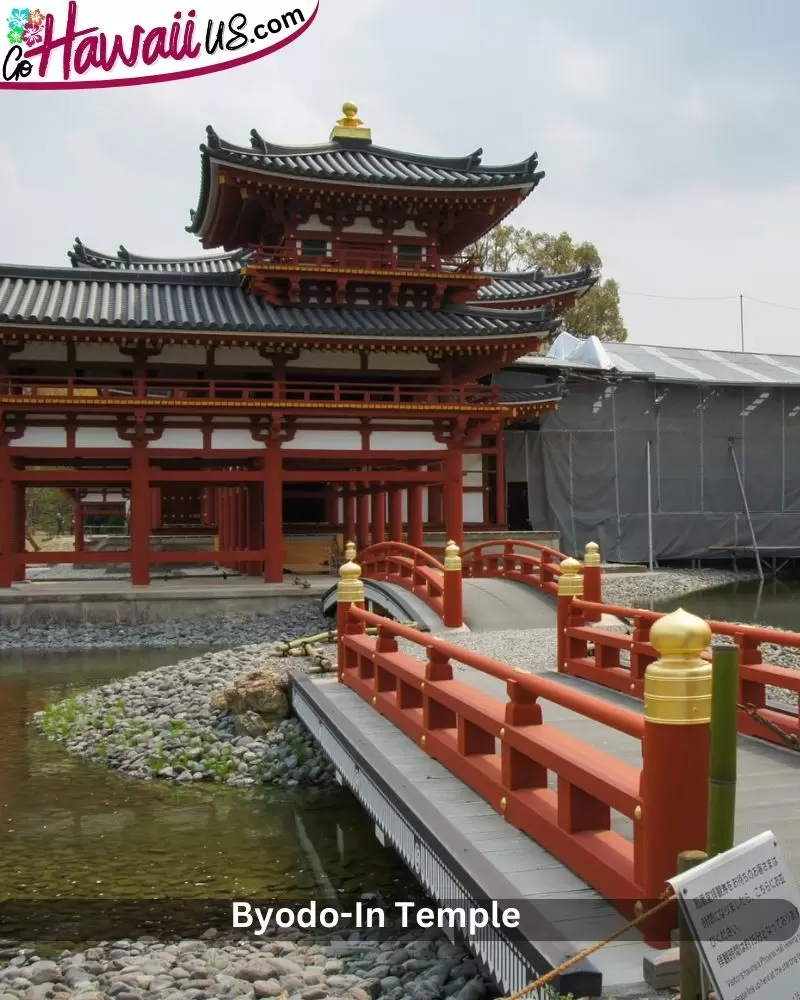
[{"x": 262, "y": 692}]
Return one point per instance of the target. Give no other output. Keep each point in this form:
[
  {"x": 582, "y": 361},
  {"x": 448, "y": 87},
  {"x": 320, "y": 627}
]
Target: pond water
[
  {"x": 72, "y": 830},
  {"x": 775, "y": 603}
]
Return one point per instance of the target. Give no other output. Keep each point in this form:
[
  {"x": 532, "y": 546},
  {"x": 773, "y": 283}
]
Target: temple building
[{"x": 325, "y": 371}]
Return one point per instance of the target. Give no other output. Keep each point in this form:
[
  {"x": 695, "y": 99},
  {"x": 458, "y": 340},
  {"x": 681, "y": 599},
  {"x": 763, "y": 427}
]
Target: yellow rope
[{"x": 555, "y": 973}]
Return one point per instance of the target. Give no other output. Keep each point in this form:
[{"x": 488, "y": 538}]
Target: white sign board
[{"x": 743, "y": 908}]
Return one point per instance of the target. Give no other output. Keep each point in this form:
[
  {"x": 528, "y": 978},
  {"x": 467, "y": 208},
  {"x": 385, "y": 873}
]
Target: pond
[
  {"x": 74, "y": 831},
  {"x": 775, "y": 603}
]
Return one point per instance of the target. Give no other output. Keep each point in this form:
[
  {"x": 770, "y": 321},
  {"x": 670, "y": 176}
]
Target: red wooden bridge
[{"x": 586, "y": 795}]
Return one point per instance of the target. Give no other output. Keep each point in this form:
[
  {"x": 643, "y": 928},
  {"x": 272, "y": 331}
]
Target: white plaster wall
[
  {"x": 42, "y": 437},
  {"x": 324, "y": 441},
  {"x": 473, "y": 470},
  {"x": 110, "y": 497},
  {"x": 99, "y": 437},
  {"x": 340, "y": 360},
  {"x": 180, "y": 354},
  {"x": 233, "y": 438},
  {"x": 240, "y": 357},
  {"x": 386, "y": 361},
  {"x": 362, "y": 225},
  {"x": 314, "y": 224},
  {"x": 42, "y": 352},
  {"x": 181, "y": 438},
  {"x": 405, "y": 441},
  {"x": 100, "y": 352},
  {"x": 409, "y": 229},
  {"x": 473, "y": 508}
]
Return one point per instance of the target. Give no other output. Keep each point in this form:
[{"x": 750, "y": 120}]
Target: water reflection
[
  {"x": 74, "y": 829},
  {"x": 771, "y": 602}
]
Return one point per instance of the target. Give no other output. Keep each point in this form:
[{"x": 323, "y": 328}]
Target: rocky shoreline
[{"x": 358, "y": 966}]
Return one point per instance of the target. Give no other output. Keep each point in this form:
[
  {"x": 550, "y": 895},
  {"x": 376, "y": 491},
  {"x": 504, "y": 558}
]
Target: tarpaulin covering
[{"x": 586, "y": 468}]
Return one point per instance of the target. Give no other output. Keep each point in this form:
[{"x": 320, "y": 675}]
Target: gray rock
[
  {"x": 267, "y": 988},
  {"x": 42, "y": 972},
  {"x": 476, "y": 989}
]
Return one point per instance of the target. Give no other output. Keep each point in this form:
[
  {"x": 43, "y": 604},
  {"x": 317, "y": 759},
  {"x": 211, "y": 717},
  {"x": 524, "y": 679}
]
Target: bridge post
[
  {"x": 349, "y": 593},
  {"x": 592, "y": 579},
  {"x": 673, "y": 816},
  {"x": 453, "y": 597},
  {"x": 570, "y": 586}
]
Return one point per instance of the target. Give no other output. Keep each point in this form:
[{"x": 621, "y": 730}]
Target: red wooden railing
[
  {"x": 526, "y": 562},
  {"x": 504, "y": 749},
  {"x": 121, "y": 389},
  {"x": 361, "y": 258},
  {"x": 619, "y": 660},
  {"x": 419, "y": 573}
]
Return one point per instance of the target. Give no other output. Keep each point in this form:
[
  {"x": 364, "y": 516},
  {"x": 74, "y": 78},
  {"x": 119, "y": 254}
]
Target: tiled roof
[
  {"x": 70, "y": 297},
  {"x": 222, "y": 263},
  {"x": 352, "y": 162},
  {"x": 524, "y": 285}
]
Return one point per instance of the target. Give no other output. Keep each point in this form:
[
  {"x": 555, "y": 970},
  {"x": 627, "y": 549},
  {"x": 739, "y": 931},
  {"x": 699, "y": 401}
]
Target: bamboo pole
[
  {"x": 691, "y": 978},
  {"x": 724, "y": 725}
]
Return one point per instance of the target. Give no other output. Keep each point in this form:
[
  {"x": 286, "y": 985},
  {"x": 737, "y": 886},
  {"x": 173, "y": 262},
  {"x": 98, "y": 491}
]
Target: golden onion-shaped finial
[
  {"x": 680, "y": 635},
  {"x": 570, "y": 583},
  {"x": 591, "y": 554},
  {"x": 452, "y": 556},
  {"x": 350, "y": 112},
  {"x": 350, "y": 552},
  {"x": 350, "y": 589}
]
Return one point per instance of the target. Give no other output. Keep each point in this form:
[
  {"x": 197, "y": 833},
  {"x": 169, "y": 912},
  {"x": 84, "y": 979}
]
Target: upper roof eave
[{"x": 342, "y": 163}]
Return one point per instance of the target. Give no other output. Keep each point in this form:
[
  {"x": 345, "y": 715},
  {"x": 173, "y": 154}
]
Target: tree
[
  {"x": 514, "y": 248},
  {"x": 48, "y": 510}
]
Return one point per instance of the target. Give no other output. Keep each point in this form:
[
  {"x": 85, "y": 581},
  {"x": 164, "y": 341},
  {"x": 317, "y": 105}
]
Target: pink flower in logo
[{"x": 33, "y": 34}]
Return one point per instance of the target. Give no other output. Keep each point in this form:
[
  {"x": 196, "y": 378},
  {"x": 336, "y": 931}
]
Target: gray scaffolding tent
[{"x": 663, "y": 453}]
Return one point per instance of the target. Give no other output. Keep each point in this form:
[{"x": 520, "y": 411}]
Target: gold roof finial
[{"x": 351, "y": 126}]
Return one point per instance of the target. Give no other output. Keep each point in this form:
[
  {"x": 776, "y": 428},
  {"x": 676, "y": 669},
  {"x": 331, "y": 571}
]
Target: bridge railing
[
  {"x": 514, "y": 559},
  {"x": 619, "y": 660},
  {"x": 550, "y": 784},
  {"x": 415, "y": 570}
]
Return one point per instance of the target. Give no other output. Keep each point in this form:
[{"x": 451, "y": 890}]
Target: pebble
[
  {"x": 160, "y": 724},
  {"x": 301, "y": 619}
]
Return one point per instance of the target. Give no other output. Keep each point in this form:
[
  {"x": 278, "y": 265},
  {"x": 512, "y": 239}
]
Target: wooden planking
[{"x": 536, "y": 874}]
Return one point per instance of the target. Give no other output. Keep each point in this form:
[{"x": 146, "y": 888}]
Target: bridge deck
[{"x": 568, "y": 906}]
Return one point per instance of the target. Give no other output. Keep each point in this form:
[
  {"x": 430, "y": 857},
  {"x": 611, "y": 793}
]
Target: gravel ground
[
  {"x": 303, "y": 618},
  {"x": 409, "y": 966},
  {"x": 645, "y": 589}
]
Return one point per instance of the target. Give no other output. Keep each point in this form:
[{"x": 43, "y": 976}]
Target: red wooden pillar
[
  {"x": 331, "y": 505},
  {"x": 362, "y": 525},
  {"x": 435, "y": 505},
  {"x": 349, "y": 513},
  {"x": 140, "y": 515},
  {"x": 241, "y": 525},
  {"x": 379, "y": 515},
  {"x": 501, "y": 501},
  {"x": 273, "y": 514},
  {"x": 80, "y": 541},
  {"x": 8, "y": 498},
  {"x": 20, "y": 525},
  {"x": 454, "y": 496},
  {"x": 255, "y": 532},
  {"x": 415, "y": 527},
  {"x": 395, "y": 514}
]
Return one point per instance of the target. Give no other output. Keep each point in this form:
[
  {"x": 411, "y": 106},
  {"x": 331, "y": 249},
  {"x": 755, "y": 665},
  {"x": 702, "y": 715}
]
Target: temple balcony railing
[
  {"x": 363, "y": 259},
  {"x": 28, "y": 391}
]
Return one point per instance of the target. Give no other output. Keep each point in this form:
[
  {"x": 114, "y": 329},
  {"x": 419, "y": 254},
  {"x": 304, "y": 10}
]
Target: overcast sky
[{"x": 668, "y": 134}]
